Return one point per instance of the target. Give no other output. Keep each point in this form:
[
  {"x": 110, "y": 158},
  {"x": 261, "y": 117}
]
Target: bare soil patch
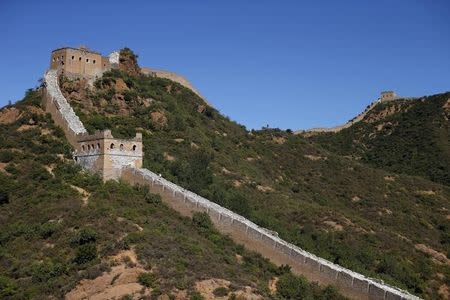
[
  {"x": 84, "y": 194},
  {"x": 120, "y": 281},
  {"x": 9, "y": 115}
]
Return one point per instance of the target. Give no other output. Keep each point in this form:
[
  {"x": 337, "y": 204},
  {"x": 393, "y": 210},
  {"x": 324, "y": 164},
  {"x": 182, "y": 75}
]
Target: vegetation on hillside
[
  {"x": 402, "y": 136},
  {"x": 49, "y": 240},
  {"x": 369, "y": 220}
]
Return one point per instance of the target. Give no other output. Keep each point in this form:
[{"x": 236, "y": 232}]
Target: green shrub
[
  {"x": 4, "y": 198},
  {"x": 6, "y": 156},
  {"x": 196, "y": 296},
  {"x": 147, "y": 279},
  {"x": 202, "y": 221},
  {"x": 220, "y": 291},
  {"x": 85, "y": 236},
  {"x": 7, "y": 287},
  {"x": 85, "y": 253},
  {"x": 293, "y": 287}
]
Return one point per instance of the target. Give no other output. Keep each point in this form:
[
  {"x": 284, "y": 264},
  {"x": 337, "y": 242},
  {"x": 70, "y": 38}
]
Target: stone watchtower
[
  {"x": 82, "y": 62},
  {"x": 103, "y": 153},
  {"x": 99, "y": 152},
  {"x": 388, "y": 96}
]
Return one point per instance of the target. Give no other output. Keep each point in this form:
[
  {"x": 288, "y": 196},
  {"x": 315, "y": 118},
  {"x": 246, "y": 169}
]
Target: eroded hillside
[
  {"x": 390, "y": 226},
  {"x": 65, "y": 233}
]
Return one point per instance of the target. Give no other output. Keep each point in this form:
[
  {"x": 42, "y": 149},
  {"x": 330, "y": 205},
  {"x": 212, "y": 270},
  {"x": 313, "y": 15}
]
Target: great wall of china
[
  {"x": 240, "y": 229},
  {"x": 384, "y": 97}
]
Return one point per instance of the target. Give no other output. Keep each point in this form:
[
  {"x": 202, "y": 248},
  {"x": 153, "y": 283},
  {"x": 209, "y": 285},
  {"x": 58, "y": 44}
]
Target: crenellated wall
[
  {"x": 62, "y": 113},
  {"x": 254, "y": 237},
  {"x": 99, "y": 152},
  {"x": 119, "y": 158}
]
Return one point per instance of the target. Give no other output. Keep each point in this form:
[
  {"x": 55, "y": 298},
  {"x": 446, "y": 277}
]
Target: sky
[{"x": 286, "y": 64}]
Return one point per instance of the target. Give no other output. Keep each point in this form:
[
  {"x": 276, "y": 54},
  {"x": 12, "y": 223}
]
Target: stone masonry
[{"x": 122, "y": 159}]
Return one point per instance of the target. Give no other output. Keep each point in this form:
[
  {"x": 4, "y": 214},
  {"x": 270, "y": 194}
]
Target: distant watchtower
[
  {"x": 82, "y": 62},
  {"x": 388, "y": 96},
  {"x": 103, "y": 153}
]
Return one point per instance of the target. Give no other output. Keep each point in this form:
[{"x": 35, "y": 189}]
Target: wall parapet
[
  {"x": 61, "y": 103},
  {"x": 373, "y": 288}
]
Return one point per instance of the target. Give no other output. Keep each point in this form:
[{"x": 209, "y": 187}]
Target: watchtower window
[
  {"x": 112, "y": 146},
  {"x": 89, "y": 147},
  {"x": 93, "y": 61},
  {"x": 121, "y": 146},
  {"x": 87, "y": 59},
  {"x": 134, "y": 148},
  {"x": 79, "y": 58},
  {"x": 92, "y": 146},
  {"x": 73, "y": 57},
  {"x": 82, "y": 147},
  {"x": 53, "y": 59},
  {"x": 98, "y": 146}
]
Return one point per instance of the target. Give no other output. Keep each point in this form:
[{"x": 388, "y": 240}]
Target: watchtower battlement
[
  {"x": 388, "y": 96},
  {"x": 103, "y": 153},
  {"x": 82, "y": 62}
]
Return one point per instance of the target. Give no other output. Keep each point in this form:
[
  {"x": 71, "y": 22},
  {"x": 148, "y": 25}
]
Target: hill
[
  {"x": 66, "y": 233},
  {"x": 401, "y": 136},
  {"x": 379, "y": 223}
]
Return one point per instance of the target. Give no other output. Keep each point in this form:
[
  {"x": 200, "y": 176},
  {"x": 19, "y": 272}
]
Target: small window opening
[
  {"x": 73, "y": 57},
  {"x": 134, "y": 147},
  {"x": 112, "y": 146},
  {"x": 82, "y": 147},
  {"x": 92, "y": 146},
  {"x": 79, "y": 58},
  {"x": 89, "y": 147},
  {"x": 93, "y": 61},
  {"x": 121, "y": 146},
  {"x": 98, "y": 146},
  {"x": 54, "y": 59},
  {"x": 87, "y": 59}
]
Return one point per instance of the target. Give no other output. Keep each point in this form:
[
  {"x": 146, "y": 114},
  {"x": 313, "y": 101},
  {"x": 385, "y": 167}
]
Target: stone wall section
[
  {"x": 124, "y": 160},
  {"x": 254, "y": 237},
  {"x": 174, "y": 77},
  {"x": 61, "y": 111}
]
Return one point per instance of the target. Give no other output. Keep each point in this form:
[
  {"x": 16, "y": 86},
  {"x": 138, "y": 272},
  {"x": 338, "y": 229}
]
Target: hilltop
[{"x": 378, "y": 222}]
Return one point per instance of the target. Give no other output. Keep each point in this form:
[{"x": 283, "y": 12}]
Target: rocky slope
[{"x": 377, "y": 222}]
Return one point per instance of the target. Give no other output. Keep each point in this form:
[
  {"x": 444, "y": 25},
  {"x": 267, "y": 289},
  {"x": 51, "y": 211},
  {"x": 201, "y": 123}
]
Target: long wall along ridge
[{"x": 122, "y": 159}]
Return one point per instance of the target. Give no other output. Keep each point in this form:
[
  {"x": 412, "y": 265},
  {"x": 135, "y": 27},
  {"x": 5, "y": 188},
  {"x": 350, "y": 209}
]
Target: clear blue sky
[{"x": 289, "y": 64}]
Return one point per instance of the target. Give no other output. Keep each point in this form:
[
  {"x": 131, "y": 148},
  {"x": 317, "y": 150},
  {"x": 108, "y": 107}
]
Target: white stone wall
[
  {"x": 376, "y": 289},
  {"x": 72, "y": 120},
  {"x": 124, "y": 158},
  {"x": 114, "y": 58}
]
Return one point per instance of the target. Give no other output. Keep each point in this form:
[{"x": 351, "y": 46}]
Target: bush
[
  {"x": 85, "y": 236},
  {"x": 86, "y": 253},
  {"x": 202, "y": 221},
  {"x": 6, "y": 156},
  {"x": 7, "y": 287},
  {"x": 4, "y": 198},
  {"x": 196, "y": 296},
  {"x": 147, "y": 279},
  {"x": 220, "y": 291},
  {"x": 292, "y": 287}
]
